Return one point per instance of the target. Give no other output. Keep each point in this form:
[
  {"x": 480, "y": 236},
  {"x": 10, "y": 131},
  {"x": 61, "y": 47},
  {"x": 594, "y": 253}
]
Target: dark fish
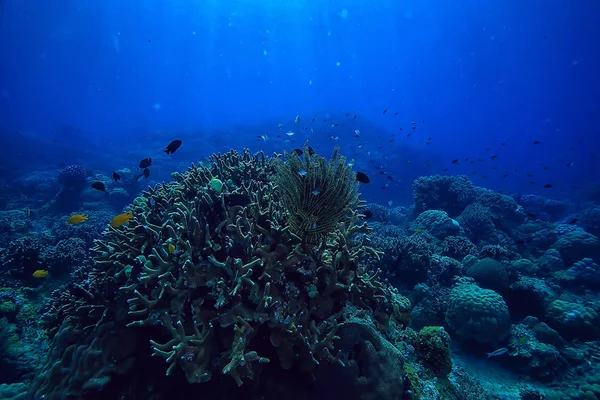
[
  {"x": 569, "y": 164},
  {"x": 395, "y": 114},
  {"x": 384, "y": 111},
  {"x": 548, "y": 186},
  {"x": 310, "y": 151},
  {"x": 172, "y": 147},
  {"x": 146, "y": 173},
  {"x": 455, "y": 161},
  {"x": 573, "y": 221},
  {"x": 502, "y": 144},
  {"x": 116, "y": 176},
  {"x": 146, "y": 162},
  {"x": 536, "y": 142},
  {"x": 362, "y": 177},
  {"x": 298, "y": 152},
  {"x": 531, "y": 215},
  {"x": 505, "y": 175},
  {"x": 99, "y": 186},
  {"x": 494, "y": 157},
  {"x": 445, "y": 169},
  {"x": 140, "y": 230},
  {"x": 237, "y": 199},
  {"x": 368, "y": 214}
]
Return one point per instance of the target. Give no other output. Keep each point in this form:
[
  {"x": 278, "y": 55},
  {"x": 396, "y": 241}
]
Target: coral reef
[{"x": 221, "y": 279}]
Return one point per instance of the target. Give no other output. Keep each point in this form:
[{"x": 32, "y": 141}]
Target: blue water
[
  {"x": 115, "y": 81},
  {"x": 510, "y": 90}
]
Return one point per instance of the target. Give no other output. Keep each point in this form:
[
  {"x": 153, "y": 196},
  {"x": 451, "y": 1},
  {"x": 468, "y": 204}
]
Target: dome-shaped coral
[
  {"x": 477, "y": 314},
  {"x": 437, "y": 223}
]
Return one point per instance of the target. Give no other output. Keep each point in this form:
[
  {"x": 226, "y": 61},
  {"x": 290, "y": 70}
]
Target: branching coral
[{"x": 216, "y": 274}]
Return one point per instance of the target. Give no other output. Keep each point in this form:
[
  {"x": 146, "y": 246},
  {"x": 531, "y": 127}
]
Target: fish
[
  {"x": 494, "y": 157},
  {"x": 290, "y": 133},
  {"x": 145, "y": 163},
  {"x": 171, "y": 248},
  {"x": 121, "y": 219},
  {"x": 146, "y": 173},
  {"x": 40, "y": 273},
  {"x": 316, "y": 192},
  {"x": 574, "y": 221},
  {"x": 99, "y": 186},
  {"x": 302, "y": 172},
  {"x": 500, "y": 352},
  {"x": 311, "y": 152},
  {"x": 172, "y": 147},
  {"x": 77, "y": 219},
  {"x": 396, "y": 113},
  {"x": 298, "y": 152},
  {"x": 140, "y": 230},
  {"x": 362, "y": 177},
  {"x": 297, "y": 119},
  {"x": 537, "y": 142},
  {"x": 356, "y": 133},
  {"x": 569, "y": 164},
  {"x": 384, "y": 111},
  {"x": 455, "y": 161},
  {"x": 116, "y": 176},
  {"x": 548, "y": 186}
]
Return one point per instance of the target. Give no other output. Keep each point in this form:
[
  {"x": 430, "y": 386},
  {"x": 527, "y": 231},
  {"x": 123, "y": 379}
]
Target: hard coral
[
  {"x": 72, "y": 177},
  {"x": 477, "y": 314},
  {"x": 449, "y": 193},
  {"x": 221, "y": 282}
]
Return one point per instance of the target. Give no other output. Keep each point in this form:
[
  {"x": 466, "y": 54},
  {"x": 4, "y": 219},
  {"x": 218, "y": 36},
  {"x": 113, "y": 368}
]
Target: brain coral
[
  {"x": 477, "y": 314},
  {"x": 219, "y": 283}
]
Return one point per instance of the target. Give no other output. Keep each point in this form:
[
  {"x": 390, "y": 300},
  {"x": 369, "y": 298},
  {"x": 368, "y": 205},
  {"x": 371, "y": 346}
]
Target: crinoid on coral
[
  {"x": 223, "y": 280},
  {"x": 318, "y": 194}
]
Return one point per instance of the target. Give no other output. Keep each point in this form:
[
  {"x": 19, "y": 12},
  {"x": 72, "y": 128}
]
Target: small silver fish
[
  {"x": 302, "y": 172},
  {"x": 500, "y": 352},
  {"x": 314, "y": 225},
  {"x": 316, "y": 192}
]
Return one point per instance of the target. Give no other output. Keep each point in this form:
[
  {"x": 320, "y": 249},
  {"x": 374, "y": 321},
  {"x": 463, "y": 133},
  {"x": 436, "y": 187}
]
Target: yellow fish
[
  {"x": 121, "y": 219},
  {"x": 77, "y": 219},
  {"x": 171, "y": 248},
  {"x": 40, "y": 273}
]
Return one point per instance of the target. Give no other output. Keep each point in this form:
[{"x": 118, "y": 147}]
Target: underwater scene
[{"x": 300, "y": 200}]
